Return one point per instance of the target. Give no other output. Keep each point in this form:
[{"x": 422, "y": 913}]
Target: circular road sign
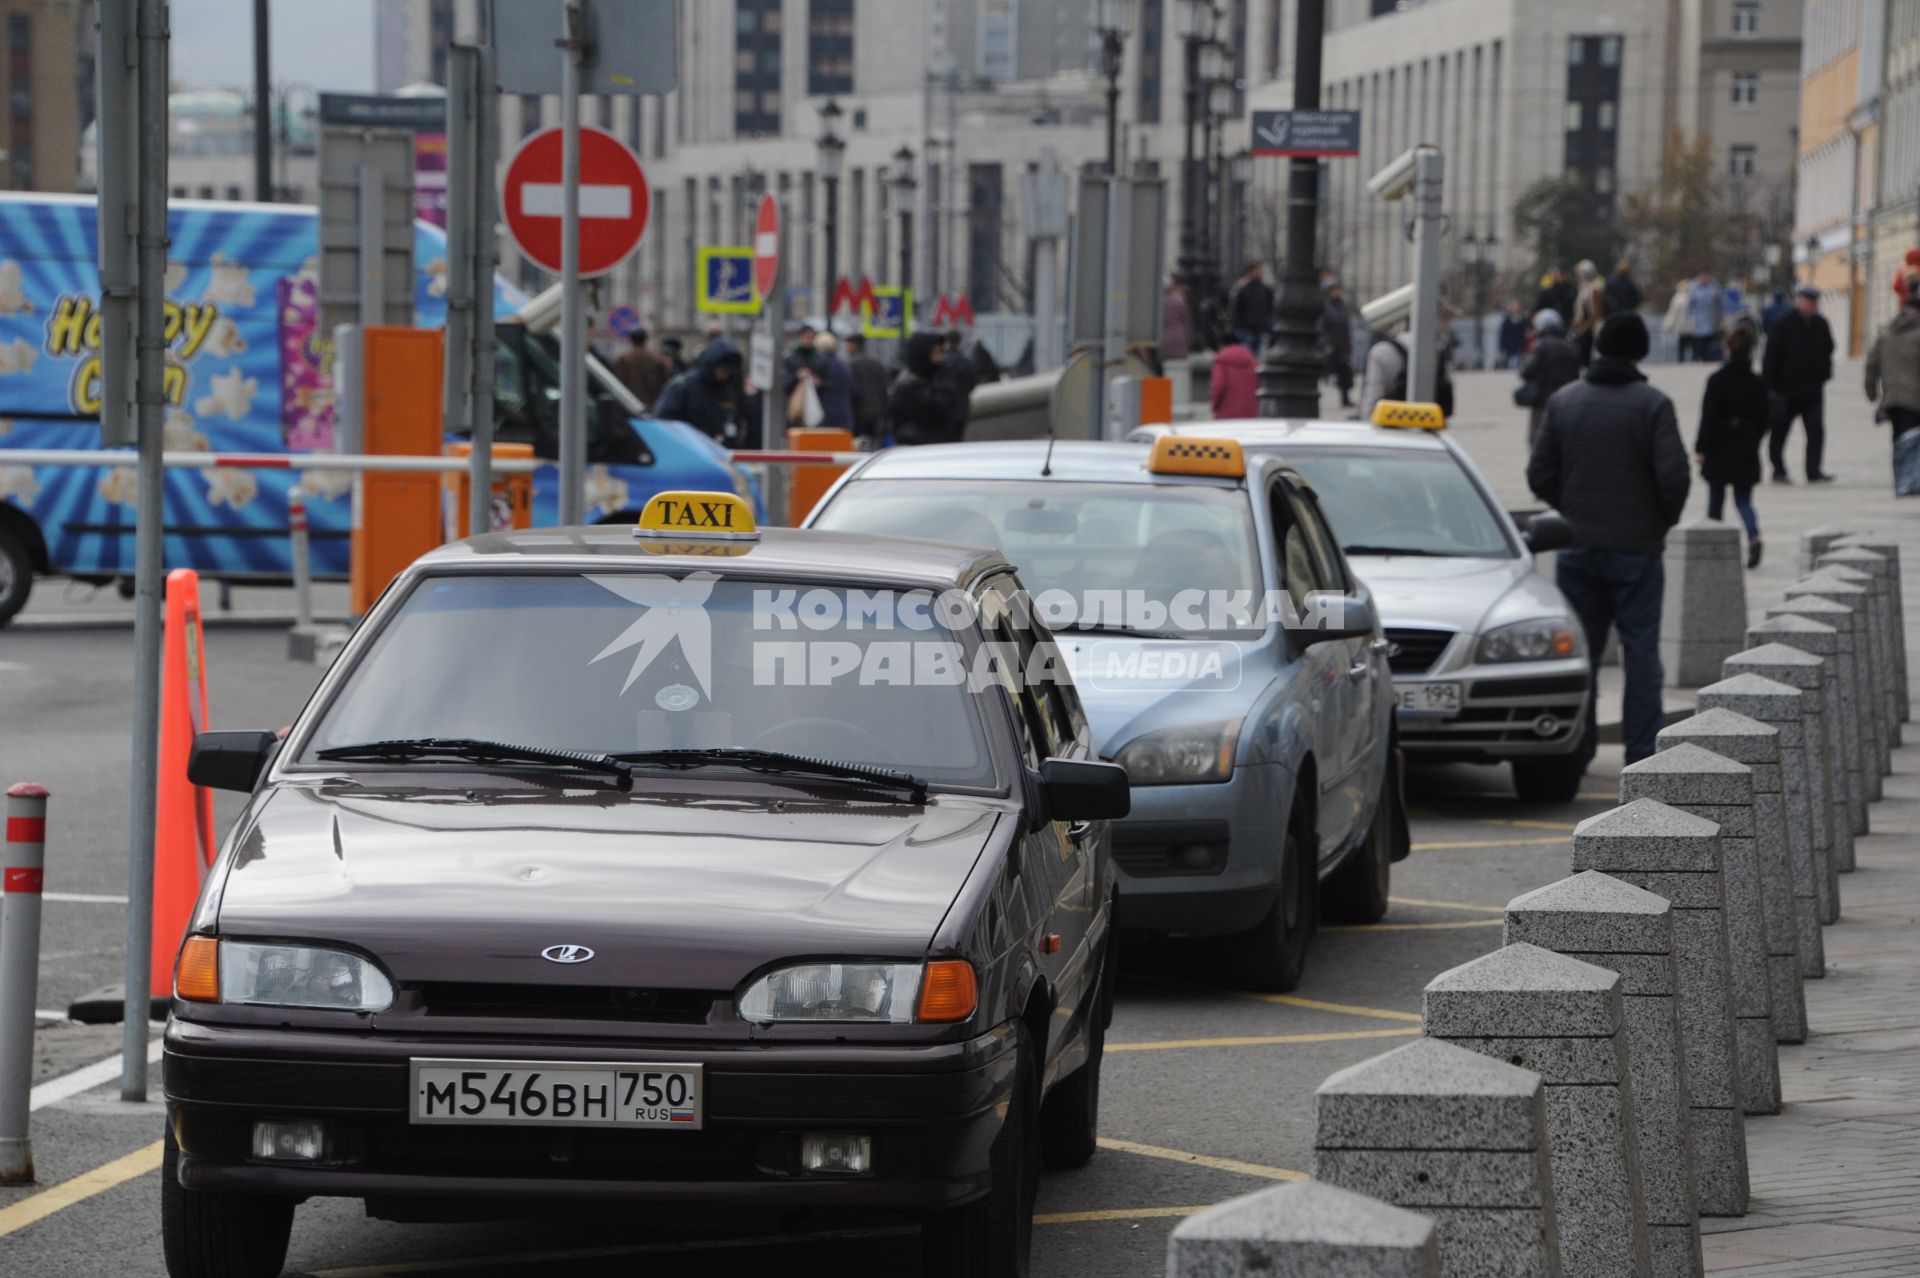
[
  {"x": 613, "y": 200},
  {"x": 766, "y": 247}
]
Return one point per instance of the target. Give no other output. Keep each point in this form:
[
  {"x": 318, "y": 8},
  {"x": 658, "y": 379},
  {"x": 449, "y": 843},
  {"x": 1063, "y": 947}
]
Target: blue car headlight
[
  {"x": 1544, "y": 639},
  {"x": 1190, "y": 754}
]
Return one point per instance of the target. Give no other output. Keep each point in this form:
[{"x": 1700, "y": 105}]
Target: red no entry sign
[
  {"x": 766, "y": 247},
  {"x": 613, "y": 200}
]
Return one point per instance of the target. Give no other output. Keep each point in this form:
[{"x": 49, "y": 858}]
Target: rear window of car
[{"x": 1383, "y": 501}]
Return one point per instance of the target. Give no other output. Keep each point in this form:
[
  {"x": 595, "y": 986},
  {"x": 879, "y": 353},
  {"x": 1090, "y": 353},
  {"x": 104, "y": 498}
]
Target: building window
[
  {"x": 756, "y": 79},
  {"x": 1577, "y": 52},
  {"x": 1746, "y": 17},
  {"x": 1610, "y": 51},
  {"x": 1605, "y": 116},
  {"x": 829, "y": 47},
  {"x": 1746, "y": 89},
  {"x": 1573, "y": 116},
  {"x": 1153, "y": 39},
  {"x": 1743, "y": 161},
  {"x": 1603, "y": 181}
]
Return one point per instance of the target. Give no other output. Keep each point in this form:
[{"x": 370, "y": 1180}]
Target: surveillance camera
[{"x": 1396, "y": 181}]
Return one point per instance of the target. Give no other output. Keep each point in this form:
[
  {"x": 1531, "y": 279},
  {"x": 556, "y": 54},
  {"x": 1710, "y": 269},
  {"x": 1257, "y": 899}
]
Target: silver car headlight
[
  {"x": 882, "y": 993},
  {"x": 1545, "y": 639},
  {"x": 288, "y": 976},
  {"x": 1191, "y": 754}
]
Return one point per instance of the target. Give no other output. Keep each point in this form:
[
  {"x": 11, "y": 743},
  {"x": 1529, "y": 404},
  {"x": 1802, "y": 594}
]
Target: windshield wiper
[
  {"x": 1401, "y": 551},
  {"x": 779, "y": 762},
  {"x": 472, "y": 751},
  {"x": 1096, "y": 628}
]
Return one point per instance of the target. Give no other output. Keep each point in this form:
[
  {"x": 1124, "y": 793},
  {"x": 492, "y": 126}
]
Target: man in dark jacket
[
  {"x": 1336, "y": 342},
  {"x": 1555, "y": 362},
  {"x": 709, "y": 396},
  {"x": 869, "y": 392},
  {"x": 1250, "y": 307},
  {"x": 1623, "y": 294},
  {"x": 641, "y": 371},
  {"x": 1798, "y": 366},
  {"x": 1557, "y": 295},
  {"x": 1609, "y": 459},
  {"x": 923, "y": 402}
]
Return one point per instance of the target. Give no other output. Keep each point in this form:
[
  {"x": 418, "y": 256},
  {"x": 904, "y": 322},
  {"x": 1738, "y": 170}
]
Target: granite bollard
[
  {"x": 1889, "y": 549},
  {"x": 1304, "y": 1230},
  {"x": 1815, "y": 542},
  {"x": 1789, "y": 837},
  {"x": 1704, "y": 609},
  {"x": 1564, "y": 1020},
  {"x": 1677, "y": 856},
  {"x": 1721, "y": 790},
  {"x": 1732, "y": 735},
  {"x": 1878, "y": 570},
  {"x": 1850, "y": 740},
  {"x": 1458, "y": 1137},
  {"x": 1827, "y": 585},
  {"x": 1807, "y": 674},
  {"x": 1611, "y": 923}
]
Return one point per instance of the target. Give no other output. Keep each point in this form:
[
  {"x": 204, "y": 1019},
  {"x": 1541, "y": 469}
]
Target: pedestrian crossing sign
[
  {"x": 725, "y": 277},
  {"x": 891, "y": 314}
]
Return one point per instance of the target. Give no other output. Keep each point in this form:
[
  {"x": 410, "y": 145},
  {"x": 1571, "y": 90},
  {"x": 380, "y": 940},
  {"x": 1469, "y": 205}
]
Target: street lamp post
[
  {"x": 1290, "y": 369},
  {"x": 903, "y": 184},
  {"x": 1241, "y": 169},
  {"x": 1220, "y": 94},
  {"x": 1112, "y": 24},
  {"x": 833, "y": 154},
  {"x": 1195, "y": 21}
]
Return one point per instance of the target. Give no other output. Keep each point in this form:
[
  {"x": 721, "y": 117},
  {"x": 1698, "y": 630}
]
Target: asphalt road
[{"x": 1207, "y": 1092}]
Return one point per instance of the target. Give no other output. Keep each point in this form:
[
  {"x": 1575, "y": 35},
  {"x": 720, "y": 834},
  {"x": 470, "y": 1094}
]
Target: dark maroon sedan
[{"x": 696, "y": 867}]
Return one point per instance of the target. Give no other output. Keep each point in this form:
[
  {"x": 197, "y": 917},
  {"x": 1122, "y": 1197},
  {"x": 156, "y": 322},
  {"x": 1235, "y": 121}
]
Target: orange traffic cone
[{"x": 183, "y": 812}]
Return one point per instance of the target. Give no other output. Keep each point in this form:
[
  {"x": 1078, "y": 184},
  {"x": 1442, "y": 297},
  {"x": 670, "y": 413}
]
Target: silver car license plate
[
  {"x": 557, "y": 1094},
  {"x": 1428, "y": 700}
]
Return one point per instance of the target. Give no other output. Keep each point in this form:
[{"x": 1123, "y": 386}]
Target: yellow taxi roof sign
[
  {"x": 1192, "y": 455},
  {"x": 1398, "y": 415},
  {"x": 698, "y": 517}
]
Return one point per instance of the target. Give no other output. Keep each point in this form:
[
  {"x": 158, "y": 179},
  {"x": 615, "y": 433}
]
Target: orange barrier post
[
  {"x": 512, "y": 494},
  {"x": 808, "y": 484},
  {"x": 396, "y": 517},
  {"x": 1156, "y": 401},
  {"x": 183, "y": 813}
]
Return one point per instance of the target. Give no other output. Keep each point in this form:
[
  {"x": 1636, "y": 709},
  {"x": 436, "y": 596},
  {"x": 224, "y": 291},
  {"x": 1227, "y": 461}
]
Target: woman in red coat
[{"x": 1236, "y": 383}]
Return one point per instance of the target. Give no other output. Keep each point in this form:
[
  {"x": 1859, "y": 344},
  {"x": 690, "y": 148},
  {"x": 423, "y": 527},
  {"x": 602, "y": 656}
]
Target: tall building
[
  {"x": 43, "y": 104},
  {"x": 1842, "y": 72}
]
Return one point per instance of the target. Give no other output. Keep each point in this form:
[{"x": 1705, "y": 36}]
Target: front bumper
[
  {"x": 1239, "y": 823},
  {"x": 1519, "y": 711},
  {"x": 932, "y": 1112}
]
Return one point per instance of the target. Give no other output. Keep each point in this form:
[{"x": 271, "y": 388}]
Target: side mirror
[
  {"x": 1548, "y": 532},
  {"x": 231, "y": 760},
  {"x": 1330, "y": 618},
  {"x": 1082, "y": 791}
]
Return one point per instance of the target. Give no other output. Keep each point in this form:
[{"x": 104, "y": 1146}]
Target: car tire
[
  {"x": 1357, "y": 892},
  {"x": 1273, "y": 956},
  {"x": 992, "y": 1236},
  {"x": 1549, "y": 779},
  {"x": 1070, "y": 1116},
  {"x": 16, "y": 576},
  {"x": 215, "y": 1234}
]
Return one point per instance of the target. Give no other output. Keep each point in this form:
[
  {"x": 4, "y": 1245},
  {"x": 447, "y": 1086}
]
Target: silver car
[{"x": 1489, "y": 661}]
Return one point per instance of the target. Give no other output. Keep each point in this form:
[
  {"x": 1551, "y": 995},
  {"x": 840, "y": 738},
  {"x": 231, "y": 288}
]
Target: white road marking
[
  {"x": 543, "y": 199},
  {"x": 84, "y": 1079}
]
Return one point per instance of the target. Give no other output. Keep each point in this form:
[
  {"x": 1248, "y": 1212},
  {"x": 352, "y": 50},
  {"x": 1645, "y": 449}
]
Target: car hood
[
  {"x": 1452, "y": 594},
  {"x": 1130, "y": 687},
  {"x": 691, "y": 887}
]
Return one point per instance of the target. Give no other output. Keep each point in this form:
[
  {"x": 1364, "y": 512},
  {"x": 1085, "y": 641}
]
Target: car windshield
[
  {"x": 1149, "y": 543},
  {"x": 624, "y": 663},
  {"x": 1394, "y": 501}
]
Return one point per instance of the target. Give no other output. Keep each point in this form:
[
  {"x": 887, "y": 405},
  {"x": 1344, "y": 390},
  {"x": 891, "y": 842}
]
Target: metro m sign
[
  {"x": 614, "y": 200},
  {"x": 845, "y": 297},
  {"x": 951, "y": 312}
]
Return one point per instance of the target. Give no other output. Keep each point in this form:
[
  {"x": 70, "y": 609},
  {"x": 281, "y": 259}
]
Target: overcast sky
[{"x": 325, "y": 43}]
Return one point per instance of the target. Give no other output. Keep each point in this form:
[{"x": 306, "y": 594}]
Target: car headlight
[
  {"x": 877, "y": 993},
  {"x": 1542, "y": 640},
  {"x": 1198, "y": 752},
  {"x": 216, "y": 971}
]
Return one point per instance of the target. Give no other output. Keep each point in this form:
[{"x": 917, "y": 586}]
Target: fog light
[
  {"x": 836, "y": 1154},
  {"x": 301, "y": 1140},
  {"x": 1546, "y": 726},
  {"x": 1196, "y": 856}
]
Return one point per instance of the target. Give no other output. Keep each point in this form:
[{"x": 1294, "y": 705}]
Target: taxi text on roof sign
[
  {"x": 1191, "y": 455},
  {"x": 698, "y": 517},
  {"x": 1398, "y": 415}
]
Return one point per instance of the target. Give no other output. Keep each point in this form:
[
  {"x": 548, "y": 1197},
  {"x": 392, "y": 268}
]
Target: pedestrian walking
[
  {"x": 1610, "y": 460},
  {"x": 923, "y": 403},
  {"x": 800, "y": 358},
  {"x": 1589, "y": 309},
  {"x": 1623, "y": 294},
  {"x": 1388, "y": 364},
  {"x": 1176, "y": 321},
  {"x": 1775, "y": 310},
  {"x": 1514, "y": 332},
  {"x": 1676, "y": 322},
  {"x": 1336, "y": 342},
  {"x": 1706, "y": 311},
  {"x": 1250, "y": 307},
  {"x": 1236, "y": 384},
  {"x": 1734, "y": 418},
  {"x": 710, "y": 397},
  {"x": 869, "y": 393},
  {"x": 1557, "y": 294},
  {"x": 833, "y": 382},
  {"x": 641, "y": 371},
  {"x": 673, "y": 350},
  {"x": 1893, "y": 365},
  {"x": 1554, "y": 363},
  {"x": 1798, "y": 366}
]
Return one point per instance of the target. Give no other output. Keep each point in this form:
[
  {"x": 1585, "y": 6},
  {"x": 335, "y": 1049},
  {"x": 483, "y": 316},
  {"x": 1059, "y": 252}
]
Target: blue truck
[{"x": 249, "y": 371}]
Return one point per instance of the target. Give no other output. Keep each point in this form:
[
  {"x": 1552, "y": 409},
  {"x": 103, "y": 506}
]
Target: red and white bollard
[
  {"x": 26, "y": 859},
  {"x": 302, "y": 557}
]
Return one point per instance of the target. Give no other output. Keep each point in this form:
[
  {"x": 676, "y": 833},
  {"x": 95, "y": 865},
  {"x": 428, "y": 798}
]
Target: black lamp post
[
  {"x": 1290, "y": 369},
  {"x": 833, "y": 155},
  {"x": 1194, "y": 24},
  {"x": 1240, "y": 167},
  {"x": 1219, "y": 111},
  {"x": 1112, "y": 24},
  {"x": 904, "y": 184}
]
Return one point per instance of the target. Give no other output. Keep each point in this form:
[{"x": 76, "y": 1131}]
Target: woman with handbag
[
  {"x": 1734, "y": 418},
  {"x": 1893, "y": 379}
]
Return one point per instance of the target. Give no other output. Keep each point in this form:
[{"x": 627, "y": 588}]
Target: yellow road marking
[
  {"x": 1268, "y": 1040},
  {"x": 1414, "y": 927},
  {"x": 1449, "y": 905},
  {"x": 82, "y": 1187},
  {"x": 1489, "y": 843},
  {"x": 1345, "y": 1009},
  {"x": 1568, "y": 826},
  {"x": 1094, "y": 1217},
  {"x": 1508, "y": 821},
  {"x": 1233, "y": 1165}
]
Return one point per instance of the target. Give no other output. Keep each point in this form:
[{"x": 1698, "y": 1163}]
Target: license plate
[
  {"x": 557, "y": 1094},
  {"x": 1428, "y": 700}
]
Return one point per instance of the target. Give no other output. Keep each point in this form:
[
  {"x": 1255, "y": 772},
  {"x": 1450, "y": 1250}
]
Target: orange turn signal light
[
  {"x": 196, "y": 976},
  {"x": 1564, "y": 643},
  {"x": 948, "y": 992}
]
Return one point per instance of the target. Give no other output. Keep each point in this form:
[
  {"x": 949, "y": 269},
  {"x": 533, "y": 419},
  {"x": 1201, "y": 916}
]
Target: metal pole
[
  {"x": 1046, "y": 316},
  {"x": 906, "y": 242},
  {"x": 262, "y": 107},
  {"x": 20, "y": 975},
  {"x": 1197, "y": 299},
  {"x": 461, "y": 166},
  {"x": 773, "y": 405},
  {"x": 373, "y": 246},
  {"x": 1423, "y": 356},
  {"x": 573, "y": 314},
  {"x": 833, "y": 246},
  {"x": 151, "y": 399},
  {"x": 1290, "y": 369},
  {"x": 1111, "y": 47},
  {"x": 119, "y": 165},
  {"x": 480, "y": 363},
  {"x": 302, "y": 548},
  {"x": 1113, "y": 344}
]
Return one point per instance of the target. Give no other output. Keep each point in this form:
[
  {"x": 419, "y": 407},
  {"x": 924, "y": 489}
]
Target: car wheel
[
  {"x": 1358, "y": 891},
  {"x": 1273, "y": 956},
  {"x": 1070, "y": 1116},
  {"x": 16, "y": 576},
  {"x": 1552, "y": 779},
  {"x": 214, "y": 1234},
  {"x": 992, "y": 1237}
]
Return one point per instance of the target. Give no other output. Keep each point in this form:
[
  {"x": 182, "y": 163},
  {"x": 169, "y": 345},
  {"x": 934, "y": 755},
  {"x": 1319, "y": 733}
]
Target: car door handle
[
  {"x": 1381, "y": 646},
  {"x": 1356, "y": 673},
  {"x": 1079, "y": 830}
]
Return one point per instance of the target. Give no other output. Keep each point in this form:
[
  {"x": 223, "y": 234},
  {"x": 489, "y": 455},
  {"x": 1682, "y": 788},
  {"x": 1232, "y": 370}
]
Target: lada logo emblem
[{"x": 566, "y": 954}]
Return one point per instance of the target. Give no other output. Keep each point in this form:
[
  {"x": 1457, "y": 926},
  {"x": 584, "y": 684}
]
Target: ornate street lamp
[
  {"x": 1194, "y": 23},
  {"x": 1112, "y": 24},
  {"x": 1290, "y": 368},
  {"x": 904, "y": 183},
  {"x": 833, "y": 155}
]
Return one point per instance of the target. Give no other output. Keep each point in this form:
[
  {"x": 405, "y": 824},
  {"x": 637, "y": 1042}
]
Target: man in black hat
[
  {"x": 1798, "y": 366},
  {"x": 1609, "y": 458}
]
